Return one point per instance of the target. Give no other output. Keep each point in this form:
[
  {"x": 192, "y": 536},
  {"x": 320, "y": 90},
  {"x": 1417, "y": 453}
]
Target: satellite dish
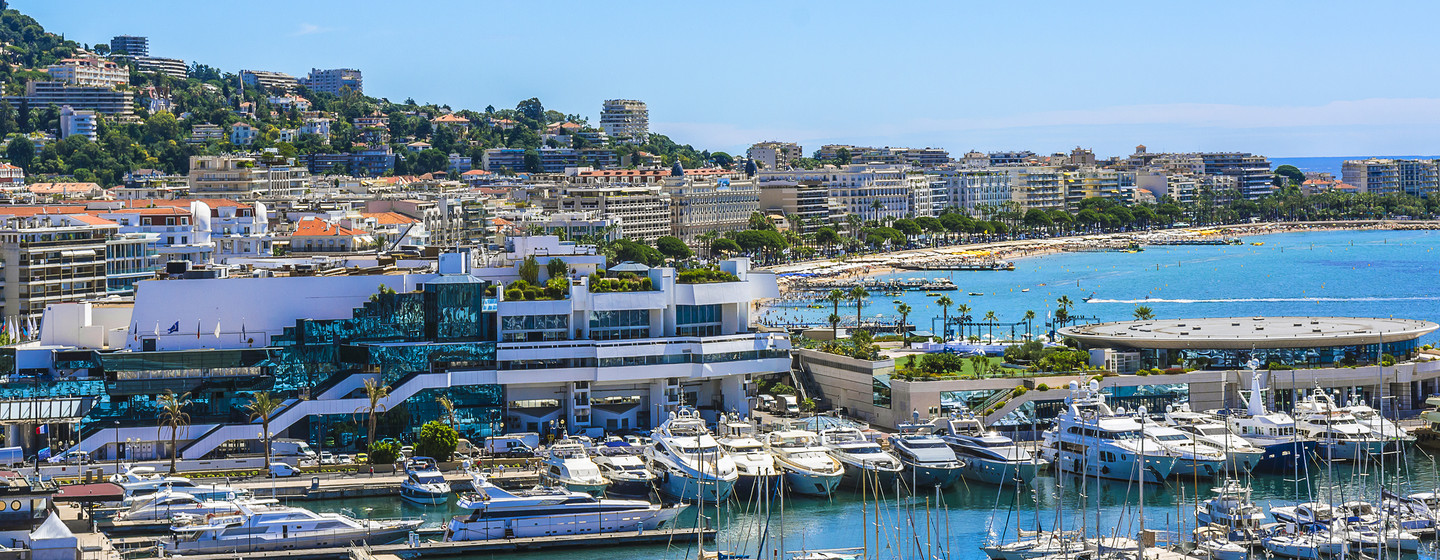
[
  {"x": 1074, "y": 385},
  {"x": 1253, "y": 364},
  {"x": 1141, "y": 410},
  {"x": 1094, "y": 385}
]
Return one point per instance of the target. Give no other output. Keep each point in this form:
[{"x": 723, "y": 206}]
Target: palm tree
[
  {"x": 1144, "y": 313},
  {"x": 904, "y": 311},
  {"x": 375, "y": 392},
  {"x": 835, "y": 297},
  {"x": 858, "y": 293},
  {"x": 877, "y": 206},
  {"x": 262, "y": 406},
  {"x": 964, "y": 312},
  {"x": 449, "y": 407},
  {"x": 173, "y": 416},
  {"x": 1062, "y": 315},
  {"x": 990, "y": 319},
  {"x": 945, "y": 302},
  {"x": 1029, "y": 323}
]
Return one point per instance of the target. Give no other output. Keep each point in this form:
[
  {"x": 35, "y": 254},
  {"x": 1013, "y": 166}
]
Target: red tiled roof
[
  {"x": 93, "y": 220},
  {"x": 390, "y": 218},
  {"x": 183, "y": 202},
  {"x": 321, "y": 228},
  {"x": 474, "y": 173},
  {"x": 62, "y": 188},
  {"x": 451, "y": 118}
]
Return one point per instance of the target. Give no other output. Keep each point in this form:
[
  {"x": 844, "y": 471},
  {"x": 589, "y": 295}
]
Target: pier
[
  {"x": 957, "y": 265},
  {"x": 909, "y": 284},
  {"x": 1191, "y": 241}
]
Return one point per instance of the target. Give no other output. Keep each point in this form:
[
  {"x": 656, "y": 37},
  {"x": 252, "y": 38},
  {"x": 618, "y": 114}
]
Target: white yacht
[
  {"x": 624, "y": 466},
  {"x": 259, "y": 527},
  {"x": 1292, "y": 541},
  {"x": 865, "y": 462},
  {"x": 807, "y": 466},
  {"x": 1192, "y": 457},
  {"x": 926, "y": 460},
  {"x": 1090, "y": 439},
  {"x": 567, "y": 464},
  {"x": 1240, "y": 456},
  {"x": 1036, "y": 545},
  {"x": 501, "y": 514},
  {"x": 139, "y": 482},
  {"x": 423, "y": 483},
  {"x": 1232, "y": 510},
  {"x": 989, "y": 457},
  {"x": 1336, "y": 433},
  {"x": 741, "y": 440},
  {"x": 167, "y": 504},
  {"x": 688, "y": 461},
  {"x": 1308, "y": 513},
  {"x": 1272, "y": 432},
  {"x": 1378, "y": 424}
]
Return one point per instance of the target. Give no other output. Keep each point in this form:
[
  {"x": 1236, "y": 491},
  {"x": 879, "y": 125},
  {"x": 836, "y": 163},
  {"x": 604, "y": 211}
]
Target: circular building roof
[{"x": 1248, "y": 332}]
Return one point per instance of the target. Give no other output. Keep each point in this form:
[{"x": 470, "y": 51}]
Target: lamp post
[{"x": 117, "y": 447}]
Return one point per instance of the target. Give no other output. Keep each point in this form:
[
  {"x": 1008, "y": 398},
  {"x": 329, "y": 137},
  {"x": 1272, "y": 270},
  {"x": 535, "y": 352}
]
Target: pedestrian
[{"x": 372, "y": 471}]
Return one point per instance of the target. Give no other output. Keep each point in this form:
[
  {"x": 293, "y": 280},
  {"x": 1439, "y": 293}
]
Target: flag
[
  {"x": 157, "y": 328},
  {"x": 217, "y": 328},
  {"x": 175, "y": 328},
  {"x": 41, "y": 429},
  {"x": 197, "y": 328},
  {"x": 243, "y": 336}
]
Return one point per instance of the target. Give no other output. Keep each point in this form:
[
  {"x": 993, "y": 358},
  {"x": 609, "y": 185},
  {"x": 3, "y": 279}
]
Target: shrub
[
  {"x": 437, "y": 441},
  {"x": 531, "y": 294},
  {"x": 514, "y": 294},
  {"x": 1143, "y": 372},
  {"x": 1174, "y": 371},
  {"x": 383, "y": 452},
  {"x": 704, "y": 276},
  {"x": 1019, "y": 391},
  {"x": 1042, "y": 387}
]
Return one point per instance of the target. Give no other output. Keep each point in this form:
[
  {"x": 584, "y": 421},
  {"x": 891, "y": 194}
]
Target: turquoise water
[{"x": 1356, "y": 274}]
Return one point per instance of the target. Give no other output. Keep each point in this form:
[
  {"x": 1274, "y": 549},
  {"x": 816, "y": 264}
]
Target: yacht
[
  {"x": 1415, "y": 513},
  {"x": 1213, "y": 542},
  {"x": 808, "y": 468},
  {"x": 1309, "y": 513},
  {"x": 865, "y": 462},
  {"x": 1035, "y": 545},
  {"x": 1379, "y": 425},
  {"x": 567, "y": 464},
  {"x": 1192, "y": 458},
  {"x": 259, "y": 527},
  {"x": 139, "y": 482},
  {"x": 1240, "y": 456},
  {"x": 1292, "y": 541},
  {"x": 423, "y": 483},
  {"x": 167, "y": 504},
  {"x": 741, "y": 440},
  {"x": 501, "y": 514},
  {"x": 1272, "y": 432},
  {"x": 688, "y": 461},
  {"x": 1090, "y": 439},
  {"x": 1231, "y": 510},
  {"x": 989, "y": 457},
  {"x": 624, "y": 466},
  {"x": 925, "y": 459},
  {"x": 1335, "y": 431}
]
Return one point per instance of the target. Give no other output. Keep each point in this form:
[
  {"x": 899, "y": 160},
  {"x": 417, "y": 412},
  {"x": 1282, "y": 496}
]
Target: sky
[{"x": 1283, "y": 79}]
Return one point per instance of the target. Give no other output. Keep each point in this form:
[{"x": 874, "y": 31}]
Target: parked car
[
  {"x": 362, "y": 458},
  {"x": 327, "y": 458},
  {"x": 72, "y": 457},
  {"x": 283, "y": 470},
  {"x": 344, "y": 459}
]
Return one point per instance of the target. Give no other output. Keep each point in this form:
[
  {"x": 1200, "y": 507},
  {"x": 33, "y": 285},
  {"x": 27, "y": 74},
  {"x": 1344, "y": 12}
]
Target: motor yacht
[
  {"x": 1231, "y": 510},
  {"x": 423, "y": 483},
  {"x": 1092, "y": 440},
  {"x": 989, "y": 457},
  {"x": 496, "y": 513},
  {"x": 865, "y": 461},
  {"x": 688, "y": 461},
  {"x": 167, "y": 504},
  {"x": 1240, "y": 455},
  {"x": 926, "y": 460},
  {"x": 624, "y": 466},
  {"x": 1379, "y": 425},
  {"x": 139, "y": 482},
  {"x": 808, "y": 468},
  {"x": 260, "y": 527},
  {"x": 1336, "y": 432},
  {"x": 567, "y": 464},
  {"x": 1292, "y": 541},
  {"x": 1192, "y": 457},
  {"x": 740, "y": 438},
  {"x": 1272, "y": 432}
]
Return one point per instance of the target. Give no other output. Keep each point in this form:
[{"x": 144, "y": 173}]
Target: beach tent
[{"x": 52, "y": 540}]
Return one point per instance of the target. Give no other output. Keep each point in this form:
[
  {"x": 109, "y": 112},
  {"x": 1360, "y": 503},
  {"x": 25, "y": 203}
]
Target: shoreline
[{"x": 879, "y": 264}]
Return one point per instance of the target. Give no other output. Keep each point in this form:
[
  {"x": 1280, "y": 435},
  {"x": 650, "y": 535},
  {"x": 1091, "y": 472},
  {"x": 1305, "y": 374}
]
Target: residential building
[
  {"x": 1392, "y": 176},
  {"x": 287, "y": 135},
  {"x": 12, "y": 177},
  {"x": 130, "y": 45},
  {"x": 451, "y": 120},
  {"x": 172, "y": 67},
  {"x": 318, "y": 126},
  {"x": 700, "y": 205},
  {"x": 243, "y": 134},
  {"x": 202, "y": 133},
  {"x": 975, "y": 160},
  {"x": 498, "y": 160},
  {"x": 1160, "y": 184},
  {"x": 89, "y": 71},
  {"x": 81, "y": 122},
  {"x": 334, "y": 81},
  {"x": 972, "y": 190},
  {"x": 314, "y": 235},
  {"x": 556, "y": 160},
  {"x": 1002, "y": 159},
  {"x": 247, "y": 177},
  {"x": 625, "y": 120},
  {"x": 1037, "y": 186},
  {"x": 808, "y": 200},
  {"x": 1093, "y": 182},
  {"x": 50, "y": 259},
  {"x": 274, "y": 81},
  {"x": 234, "y": 229},
  {"x": 643, "y": 211},
  {"x": 151, "y": 184},
  {"x": 834, "y": 151},
  {"x": 458, "y": 163},
  {"x": 873, "y": 192},
  {"x": 370, "y": 161},
  {"x": 289, "y": 102},
  {"x": 775, "y": 155},
  {"x": 64, "y": 191},
  {"x": 1326, "y": 184},
  {"x": 102, "y": 100},
  {"x": 1251, "y": 172}
]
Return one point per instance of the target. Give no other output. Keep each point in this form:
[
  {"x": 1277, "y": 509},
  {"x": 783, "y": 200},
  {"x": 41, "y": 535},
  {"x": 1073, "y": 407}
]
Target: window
[
  {"x": 697, "y": 320},
  {"x": 620, "y": 325}
]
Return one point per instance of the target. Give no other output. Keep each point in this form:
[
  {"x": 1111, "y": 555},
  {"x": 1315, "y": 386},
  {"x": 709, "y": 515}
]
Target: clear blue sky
[{"x": 1277, "y": 78}]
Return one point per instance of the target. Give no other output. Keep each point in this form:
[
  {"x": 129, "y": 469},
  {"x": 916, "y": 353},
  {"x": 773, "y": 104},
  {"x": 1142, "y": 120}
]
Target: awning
[{"x": 94, "y": 492}]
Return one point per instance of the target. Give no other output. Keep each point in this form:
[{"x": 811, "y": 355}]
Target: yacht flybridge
[{"x": 1091, "y": 439}]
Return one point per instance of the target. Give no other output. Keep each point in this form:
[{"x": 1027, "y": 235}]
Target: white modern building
[
  {"x": 625, "y": 119},
  {"x": 78, "y": 121},
  {"x": 775, "y": 155}
]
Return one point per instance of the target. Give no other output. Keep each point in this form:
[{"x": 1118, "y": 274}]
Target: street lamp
[{"x": 117, "y": 447}]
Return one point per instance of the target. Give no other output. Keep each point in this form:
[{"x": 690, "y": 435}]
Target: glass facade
[
  {"x": 1229, "y": 358},
  {"x": 623, "y": 324},
  {"x": 534, "y": 328},
  {"x": 697, "y": 320}
]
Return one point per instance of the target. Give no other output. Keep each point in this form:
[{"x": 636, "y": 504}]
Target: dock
[
  {"x": 444, "y": 549},
  {"x": 913, "y": 284},
  {"x": 957, "y": 265}
]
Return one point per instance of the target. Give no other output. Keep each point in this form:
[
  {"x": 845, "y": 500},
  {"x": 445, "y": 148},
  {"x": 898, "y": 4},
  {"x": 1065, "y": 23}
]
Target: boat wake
[{"x": 1276, "y": 299}]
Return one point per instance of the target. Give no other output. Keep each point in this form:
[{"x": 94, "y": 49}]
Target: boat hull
[
  {"x": 267, "y": 542},
  {"x": 686, "y": 488},
  {"x": 629, "y": 487},
  {"x": 812, "y": 483},
  {"x": 999, "y": 472},
  {"x": 1241, "y": 462},
  {"x": 460, "y": 529},
  {"x": 1285, "y": 457},
  {"x": 1155, "y": 469},
  {"x": 1187, "y": 468},
  {"x": 755, "y": 485},
  {"x": 856, "y": 476},
  {"x": 422, "y": 497},
  {"x": 1350, "y": 450},
  {"x": 921, "y": 477}
]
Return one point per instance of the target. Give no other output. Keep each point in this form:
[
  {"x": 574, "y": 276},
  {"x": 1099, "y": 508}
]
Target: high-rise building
[
  {"x": 173, "y": 67},
  {"x": 80, "y": 122},
  {"x": 236, "y": 177},
  {"x": 269, "y": 80},
  {"x": 102, "y": 100},
  {"x": 704, "y": 204},
  {"x": 1252, "y": 173},
  {"x": 334, "y": 81},
  {"x": 625, "y": 120},
  {"x": 1392, "y": 176},
  {"x": 89, "y": 71},
  {"x": 130, "y": 45},
  {"x": 775, "y": 155}
]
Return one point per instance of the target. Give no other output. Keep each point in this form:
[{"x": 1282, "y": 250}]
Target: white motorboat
[
  {"x": 168, "y": 504},
  {"x": 1213, "y": 543},
  {"x": 688, "y": 461},
  {"x": 740, "y": 439},
  {"x": 624, "y": 466},
  {"x": 567, "y": 464},
  {"x": 1336, "y": 433},
  {"x": 1192, "y": 457},
  {"x": 1231, "y": 510},
  {"x": 260, "y": 527},
  {"x": 808, "y": 468},
  {"x": 1240, "y": 455},
  {"x": 1273, "y": 432},
  {"x": 1032, "y": 545},
  {"x": 865, "y": 461},
  {"x": 424, "y": 484},
  {"x": 926, "y": 460},
  {"x": 1091, "y": 439},
  {"x": 1415, "y": 513},
  {"x": 989, "y": 457},
  {"x": 1377, "y": 423},
  {"x": 139, "y": 482},
  {"x": 501, "y": 514},
  {"x": 1288, "y": 540},
  {"x": 1315, "y": 514}
]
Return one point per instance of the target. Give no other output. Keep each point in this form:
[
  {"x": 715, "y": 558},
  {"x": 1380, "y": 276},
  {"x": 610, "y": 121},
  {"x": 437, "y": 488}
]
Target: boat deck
[{"x": 442, "y": 549}]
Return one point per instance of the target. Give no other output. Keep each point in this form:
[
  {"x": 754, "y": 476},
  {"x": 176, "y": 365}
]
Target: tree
[
  {"x": 375, "y": 393},
  {"x": 673, "y": 248},
  {"x": 532, "y": 109},
  {"x": 834, "y": 325},
  {"x": 945, "y": 302},
  {"x": 556, "y": 268},
  {"x": 1144, "y": 313},
  {"x": 827, "y": 236},
  {"x": 384, "y": 452},
  {"x": 530, "y": 270},
  {"x": 1029, "y": 323},
  {"x": 20, "y": 151},
  {"x": 858, "y": 293},
  {"x": 1295, "y": 176},
  {"x": 437, "y": 441},
  {"x": 173, "y": 416},
  {"x": 835, "y": 297},
  {"x": 990, "y": 319},
  {"x": 724, "y": 245},
  {"x": 449, "y": 407},
  {"x": 635, "y": 251},
  {"x": 904, "y": 311},
  {"x": 262, "y": 406}
]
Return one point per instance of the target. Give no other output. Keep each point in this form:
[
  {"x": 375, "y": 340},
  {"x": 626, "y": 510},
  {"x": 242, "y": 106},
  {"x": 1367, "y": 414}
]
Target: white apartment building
[
  {"x": 82, "y": 122},
  {"x": 970, "y": 189},
  {"x": 873, "y": 192},
  {"x": 202, "y": 133},
  {"x": 775, "y": 155},
  {"x": 318, "y": 126},
  {"x": 242, "y": 134},
  {"x": 1161, "y": 183},
  {"x": 625, "y": 119},
  {"x": 642, "y": 210},
  {"x": 334, "y": 81},
  {"x": 700, "y": 205},
  {"x": 1392, "y": 176},
  {"x": 246, "y": 177},
  {"x": 1037, "y": 186},
  {"x": 91, "y": 71},
  {"x": 1093, "y": 182}
]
